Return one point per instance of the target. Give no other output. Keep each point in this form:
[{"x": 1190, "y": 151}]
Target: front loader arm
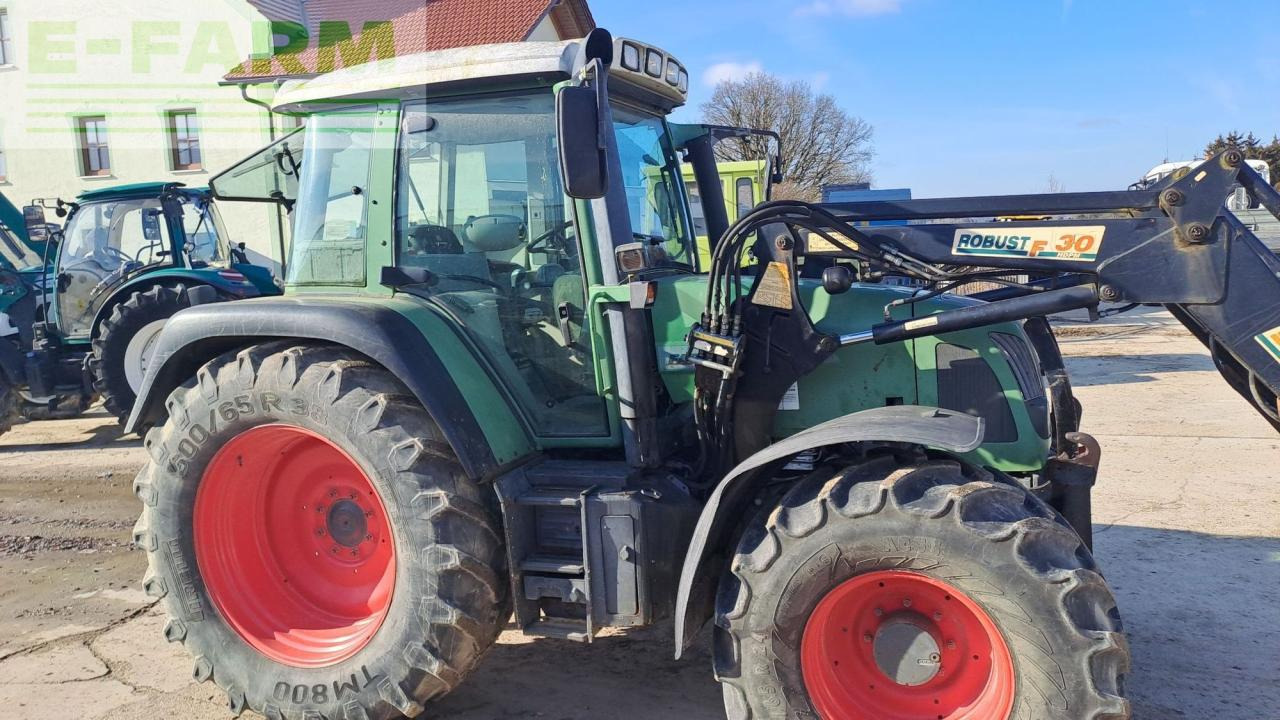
[{"x": 1175, "y": 245}]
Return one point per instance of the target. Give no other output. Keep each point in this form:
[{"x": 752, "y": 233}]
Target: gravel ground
[{"x": 1187, "y": 529}]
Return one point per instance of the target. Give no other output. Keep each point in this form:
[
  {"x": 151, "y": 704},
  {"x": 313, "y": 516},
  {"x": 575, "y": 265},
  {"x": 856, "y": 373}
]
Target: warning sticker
[
  {"x": 819, "y": 245},
  {"x": 1270, "y": 340},
  {"x": 791, "y": 400},
  {"x": 1076, "y": 244},
  {"x": 774, "y": 289}
]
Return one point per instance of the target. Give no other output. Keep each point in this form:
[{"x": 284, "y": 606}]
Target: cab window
[{"x": 331, "y": 219}]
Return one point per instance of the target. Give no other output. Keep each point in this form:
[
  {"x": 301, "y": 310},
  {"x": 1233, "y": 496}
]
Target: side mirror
[
  {"x": 33, "y": 216},
  {"x": 583, "y": 162}
]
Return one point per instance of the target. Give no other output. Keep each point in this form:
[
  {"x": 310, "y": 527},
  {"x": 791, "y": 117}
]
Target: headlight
[
  {"x": 684, "y": 80},
  {"x": 631, "y": 57},
  {"x": 653, "y": 63},
  {"x": 673, "y": 72}
]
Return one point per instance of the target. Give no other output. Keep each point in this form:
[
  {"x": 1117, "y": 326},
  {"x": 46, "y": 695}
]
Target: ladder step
[
  {"x": 552, "y": 564},
  {"x": 551, "y": 496},
  {"x": 560, "y": 628}
]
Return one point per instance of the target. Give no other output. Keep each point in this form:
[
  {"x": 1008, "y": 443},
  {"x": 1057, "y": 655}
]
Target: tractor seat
[{"x": 433, "y": 240}]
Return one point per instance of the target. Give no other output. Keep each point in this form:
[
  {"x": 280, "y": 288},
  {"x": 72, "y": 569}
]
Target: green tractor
[
  {"x": 88, "y": 314},
  {"x": 500, "y": 383}
]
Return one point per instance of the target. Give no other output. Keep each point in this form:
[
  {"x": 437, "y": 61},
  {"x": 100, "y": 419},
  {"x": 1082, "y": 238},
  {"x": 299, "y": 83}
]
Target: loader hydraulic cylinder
[{"x": 965, "y": 318}]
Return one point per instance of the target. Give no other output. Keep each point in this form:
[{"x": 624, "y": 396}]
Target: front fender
[
  {"x": 378, "y": 330},
  {"x": 728, "y": 506}
]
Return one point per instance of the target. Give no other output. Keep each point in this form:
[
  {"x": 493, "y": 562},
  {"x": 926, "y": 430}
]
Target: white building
[{"x": 98, "y": 94}]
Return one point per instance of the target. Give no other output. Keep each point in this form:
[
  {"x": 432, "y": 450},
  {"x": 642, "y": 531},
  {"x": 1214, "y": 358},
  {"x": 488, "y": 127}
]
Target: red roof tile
[{"x": 379, "y": 27}]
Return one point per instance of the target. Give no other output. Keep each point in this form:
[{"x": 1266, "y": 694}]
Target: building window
[
  {"x": 6, "y": 39},
  {"x": 184, "y": 140},
  {"x": 95, "y": 158}
]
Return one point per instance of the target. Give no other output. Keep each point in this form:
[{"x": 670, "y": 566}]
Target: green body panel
[
  {"x": 857, "y": 377},
  {"x": 503, "y": 429}
]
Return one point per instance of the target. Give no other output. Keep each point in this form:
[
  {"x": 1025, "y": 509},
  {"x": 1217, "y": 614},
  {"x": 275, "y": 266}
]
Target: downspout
[{"x": 271, "y": 136}]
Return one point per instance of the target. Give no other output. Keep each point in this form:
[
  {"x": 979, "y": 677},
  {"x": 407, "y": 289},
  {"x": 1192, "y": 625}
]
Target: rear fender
[
  {"x": 728, "y": 506},
  {"x": 376, "y": 330}
]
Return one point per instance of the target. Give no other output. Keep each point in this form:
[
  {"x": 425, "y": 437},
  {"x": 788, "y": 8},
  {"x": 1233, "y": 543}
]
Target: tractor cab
[{"x": 113, "y": 236}]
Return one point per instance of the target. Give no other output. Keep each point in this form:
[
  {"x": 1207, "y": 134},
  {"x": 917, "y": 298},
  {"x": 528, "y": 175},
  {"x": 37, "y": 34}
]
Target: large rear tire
[
  {"x": 319, "y": 550},
  {"x": 125, "y": 341},
  {"x": 924, "y": 589}
]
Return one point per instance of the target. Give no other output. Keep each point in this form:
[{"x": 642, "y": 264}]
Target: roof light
[
  {"x": 653, "y": 63},
  {"x": 673, "y": 72},
  {"x": 631, "y": 57},
  {"x": 684, "y": 80}
]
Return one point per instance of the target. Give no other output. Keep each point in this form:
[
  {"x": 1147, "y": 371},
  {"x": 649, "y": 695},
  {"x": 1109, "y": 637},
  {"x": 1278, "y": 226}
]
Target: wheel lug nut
[
  {"x": 906, "y": 602},
  {"x": 867, "y": 638},
  {"x": 319, "y": 532},
  {"x": 879, "y": 612},
  {"x": 319, "y": 508},
  {"x": 334, "y": 549},
  {"x": 368, "y": 536},
  {"x": 333, "y": 493},
  {"x": 937, "y": 615},
  {"x": 951, "y": 644}
]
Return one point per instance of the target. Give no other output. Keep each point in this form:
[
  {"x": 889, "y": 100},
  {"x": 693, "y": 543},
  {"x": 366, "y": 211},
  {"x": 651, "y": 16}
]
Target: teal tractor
[{"x": 85, "y": 312}]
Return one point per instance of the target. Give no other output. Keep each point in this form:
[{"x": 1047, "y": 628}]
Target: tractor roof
[
  {"x": 414, "y": 76},
  {"x": 391, "y": 78},
  {"x": 132, "y": 191}
]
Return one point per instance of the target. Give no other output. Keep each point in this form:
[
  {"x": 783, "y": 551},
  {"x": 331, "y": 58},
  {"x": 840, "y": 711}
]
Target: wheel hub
[
  {"x": 906, "y": 651},
  {"x": 346, "y": 523}
]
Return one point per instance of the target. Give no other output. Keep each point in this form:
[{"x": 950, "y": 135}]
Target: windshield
[
  {"x": 14, "y": 252},
  {"x": 651, "y": 176}
]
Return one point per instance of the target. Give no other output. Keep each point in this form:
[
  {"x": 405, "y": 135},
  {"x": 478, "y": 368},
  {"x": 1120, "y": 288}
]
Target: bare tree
[
  {"x": 821, "y": 143},
  {"x": 1055, "y": 185}
]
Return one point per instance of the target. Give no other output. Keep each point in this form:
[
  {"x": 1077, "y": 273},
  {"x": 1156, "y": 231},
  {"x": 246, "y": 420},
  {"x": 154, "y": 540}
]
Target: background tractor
[
  {"x": 83, "y": 319},
  {"x": 501, "y": 382}
]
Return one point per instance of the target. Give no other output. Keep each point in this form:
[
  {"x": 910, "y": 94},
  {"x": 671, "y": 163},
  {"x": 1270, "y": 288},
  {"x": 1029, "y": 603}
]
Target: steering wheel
[
  {"x": 556, "y": 233},
  {"x": 115, "y": 252}
]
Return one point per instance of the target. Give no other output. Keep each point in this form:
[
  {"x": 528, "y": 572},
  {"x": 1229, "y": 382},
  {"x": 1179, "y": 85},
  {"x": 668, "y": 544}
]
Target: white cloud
[
  {"x": 851, "y": 8},
  {"x": 730, "y": 71}
]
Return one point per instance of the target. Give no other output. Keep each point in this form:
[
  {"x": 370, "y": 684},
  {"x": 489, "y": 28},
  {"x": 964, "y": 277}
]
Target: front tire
[
  {"x": 125, "y": 341},
  {"x": 318, "y": 547},
  {"x": 923, "y": 589}
]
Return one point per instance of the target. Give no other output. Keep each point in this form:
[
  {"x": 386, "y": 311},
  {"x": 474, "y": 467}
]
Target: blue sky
[{"x": 982, "y": 97}]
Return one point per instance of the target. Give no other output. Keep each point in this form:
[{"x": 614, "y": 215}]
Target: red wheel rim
[
  {"x": 294, "y": 545},
  {"x": 898, "y": 645}
]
